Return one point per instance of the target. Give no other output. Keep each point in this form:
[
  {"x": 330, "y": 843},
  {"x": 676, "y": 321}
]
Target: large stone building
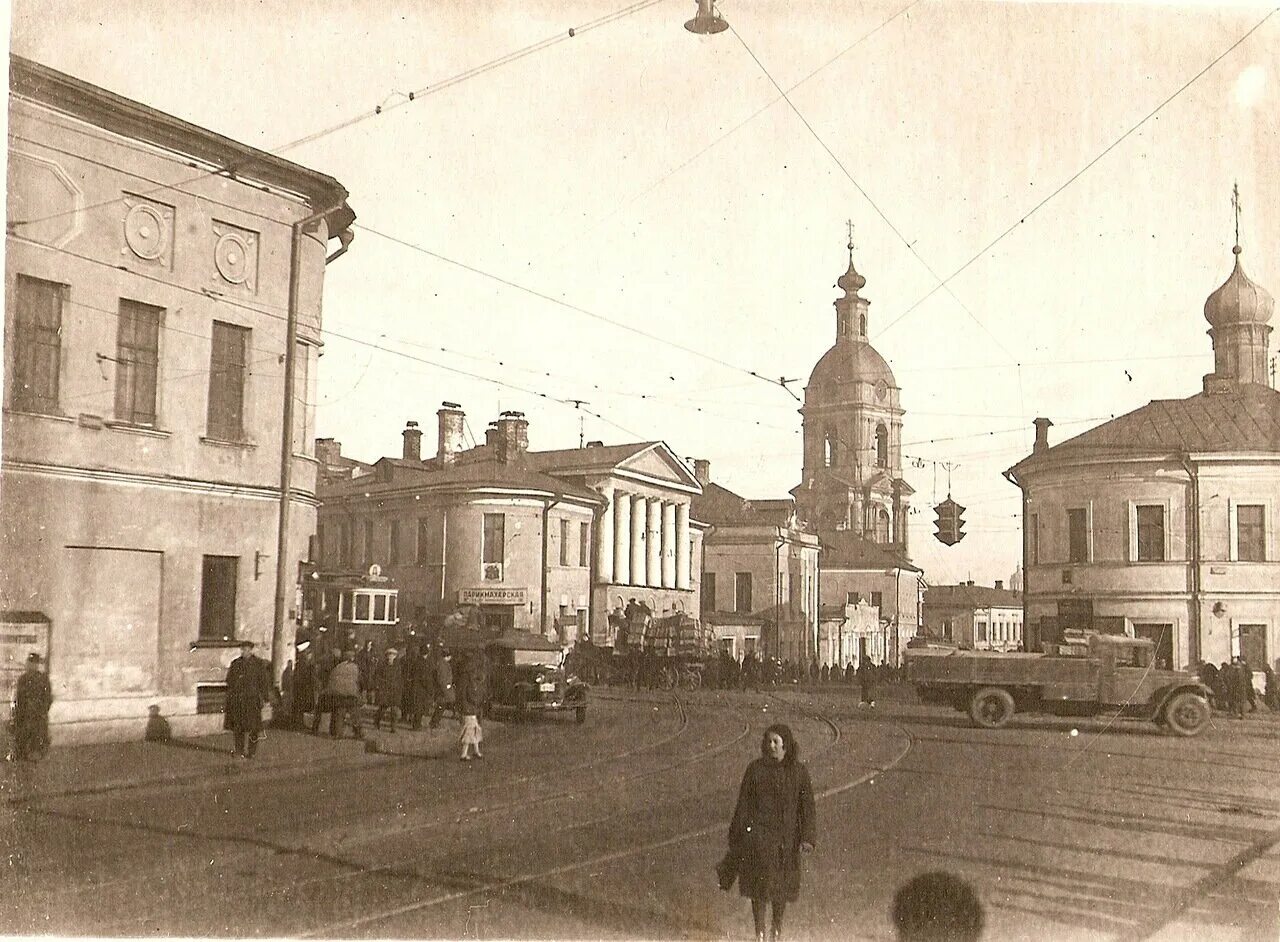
[
  {"x": 974, "y": 617},
  {"x": 147, "y": 314},
  {"x": 537, "y": 540},
  {"x": 759, "y": 574},
  {"x": 1162, "y": 523}
]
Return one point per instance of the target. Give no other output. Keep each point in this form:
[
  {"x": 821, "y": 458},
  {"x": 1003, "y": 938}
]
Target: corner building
[
  {"x": 147, "y": 278},
  {"x": 1162, "y": 523}
]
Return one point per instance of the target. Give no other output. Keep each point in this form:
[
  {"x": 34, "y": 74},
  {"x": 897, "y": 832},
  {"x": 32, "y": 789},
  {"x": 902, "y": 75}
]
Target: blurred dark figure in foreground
[{"x": 937, "y": 907}]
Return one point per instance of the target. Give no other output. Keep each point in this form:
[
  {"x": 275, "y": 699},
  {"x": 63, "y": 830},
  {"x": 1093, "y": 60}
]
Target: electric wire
[{"x": 1079, "y": 173}]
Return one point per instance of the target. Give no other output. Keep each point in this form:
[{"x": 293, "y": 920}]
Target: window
[
  {"x": 493, "y": 546},
  {"x": 1033, "y": 539},
  {"x": 980, "y": 631},
  {"x": 946, "y": 629},
  {"x": 881, "y": 525},
  {"x": 1251, "y": 545},
  {"x": 584, "y": 545},
  {"x": 366, "y": 555},
  {"x": 564, "y": 541},
  {"x": 344, "y": 543},
  {"x": 218, "y": 598},
  {"x": 137, "y": 356},
  {"x": 742, "y": 592},
  {"x": 1150, "y": 523},
  {"x": 829, "y": 450},
  {"x": 882, "y": 446},
  {"x": 877, "y": 599},
  {"x": 226, "y": 381},
  {"x": 708, "y": 592},
  {"x": 302, "y": 443},
  {"x": 37, "y": 344},
  {"x": 424, "y": 540},
  {"x": 1078, "y": 536},
  {"x": 791, "y": 593},
  {"x": 393, "y": 543}
]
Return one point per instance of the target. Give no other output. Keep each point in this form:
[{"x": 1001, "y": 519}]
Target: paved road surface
[{"x": 1068, "y": 830}]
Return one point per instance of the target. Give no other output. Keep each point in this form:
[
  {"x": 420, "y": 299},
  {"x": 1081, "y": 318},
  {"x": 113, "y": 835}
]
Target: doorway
[{"x": 1253, "y": 646}]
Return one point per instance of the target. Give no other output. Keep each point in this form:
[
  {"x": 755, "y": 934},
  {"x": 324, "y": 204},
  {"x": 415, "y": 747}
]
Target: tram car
[{"x": 350, "y": 609}]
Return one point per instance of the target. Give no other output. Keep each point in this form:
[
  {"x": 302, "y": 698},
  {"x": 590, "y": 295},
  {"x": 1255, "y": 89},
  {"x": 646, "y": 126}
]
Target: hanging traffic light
[{"x": 950, "y": 523}]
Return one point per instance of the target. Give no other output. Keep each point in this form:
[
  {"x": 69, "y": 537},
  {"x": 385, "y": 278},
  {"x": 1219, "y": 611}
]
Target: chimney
[
  {"x": 449, "y": 442},
  {"x": 328, "y": 451},
  {"x": 512, "y": 437},
  {"x": 491, "y": 436},
  {"x": 412, "y": 441},
  {"x": 1042, "y": 436},
  {"x": 999, "y": 583},
  {"x": 702, "y": 471}
]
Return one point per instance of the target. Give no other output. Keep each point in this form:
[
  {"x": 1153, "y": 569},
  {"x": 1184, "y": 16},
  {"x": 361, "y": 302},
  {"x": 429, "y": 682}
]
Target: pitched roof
[
  {"x": 585, "y": 459},
  {"x": 720, "y": 506},
  {"x": 971, "y": 596},
  {"x": 843, "y": 549},
  {"x": 474, "y": 474},
  {"x": 1246, "y": 417}
]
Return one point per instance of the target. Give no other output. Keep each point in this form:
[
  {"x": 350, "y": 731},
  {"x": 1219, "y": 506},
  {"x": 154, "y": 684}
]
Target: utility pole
[{"x": 578, "y": 404}]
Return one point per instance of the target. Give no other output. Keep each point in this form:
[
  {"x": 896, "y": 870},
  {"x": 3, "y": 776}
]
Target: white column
[
  {"x": 684, "y": 558},
  {"x": 639, "y": 520},
  {"x": 604, "y": 540},
  {"x": 653, "y": 572},
  {"x": 621, "y": 537},
  {"x": 668, "y": 545}
]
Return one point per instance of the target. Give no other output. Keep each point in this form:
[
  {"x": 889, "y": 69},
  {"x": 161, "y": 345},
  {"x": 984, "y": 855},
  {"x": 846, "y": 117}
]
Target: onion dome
[
  {"x": 851, "y": 282},
  {"x": 1239, "y": 300}
]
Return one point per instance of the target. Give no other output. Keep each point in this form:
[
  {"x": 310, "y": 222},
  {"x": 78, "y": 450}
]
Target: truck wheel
[
  {"x": 1187, "y": 714},
  {"x": 580, "y": 715},
  {"x": 991, "y": 707}
]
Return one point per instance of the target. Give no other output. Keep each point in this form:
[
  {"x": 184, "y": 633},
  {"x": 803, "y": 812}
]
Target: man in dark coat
[
  {"x": 248, "y": 689},
  {"x": 867, "y": 676},
  {"x": 302, "y": 691},
  {"x": 773, "y": 823},
  {"x": 388, "y": 688},
  {"x": 1238, "y": 680},
  {"x": 32, "y": 697},
  {"x": 415, "y": 701}
]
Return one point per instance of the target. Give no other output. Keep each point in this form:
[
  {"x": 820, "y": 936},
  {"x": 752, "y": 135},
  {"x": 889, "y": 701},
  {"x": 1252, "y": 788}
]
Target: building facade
[
  {"x": 974, "y": 617},
  {"x": 530, "y": 539},
  {"x": 760, "y": 573},
  {"x": 147, "y": 307},
  {"x": 856, "y": 570},
  {"x": 1162, "y": 523}
]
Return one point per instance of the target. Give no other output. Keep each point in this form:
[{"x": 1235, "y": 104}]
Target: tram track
[
  {"x": 498, "y": 885},
  {"x": 333, "y": 824}
]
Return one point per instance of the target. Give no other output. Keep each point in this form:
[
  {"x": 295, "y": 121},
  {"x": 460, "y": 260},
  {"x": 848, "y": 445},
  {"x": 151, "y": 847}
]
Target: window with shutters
[
  {"x": 37, "y": 344},
  {"x": 227, "y": 369},
  {"x": 137, "y": 360}
]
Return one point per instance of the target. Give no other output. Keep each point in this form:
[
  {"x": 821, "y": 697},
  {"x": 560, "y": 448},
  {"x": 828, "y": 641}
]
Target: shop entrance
[{"x": 497, "y": 617}]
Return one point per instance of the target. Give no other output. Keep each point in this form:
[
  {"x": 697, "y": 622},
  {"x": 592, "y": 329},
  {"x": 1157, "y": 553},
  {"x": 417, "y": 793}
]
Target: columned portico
[
  {"x": 668, "y": 545},
  {"x": 653, "y": 537},
  {"x": 604, "y": 539},
  {"x": 639, "y": 523},
  {"x": 621, "y": 537},
  {"x": 683, "y": 556}
]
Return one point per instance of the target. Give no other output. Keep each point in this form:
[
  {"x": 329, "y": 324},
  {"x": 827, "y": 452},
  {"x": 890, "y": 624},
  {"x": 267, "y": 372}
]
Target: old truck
[{"x": 1110, "y": 674}]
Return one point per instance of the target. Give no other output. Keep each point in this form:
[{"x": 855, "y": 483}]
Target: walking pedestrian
[
  {"x": 443, "y": 690},
  {"x": 32, "y": 697},
  {"x": 867, "y": 679},
  {"x": 248, "y": 690},
  {"x": 1237, "y": 681},
  {"x": 472, "y": 682},
  {"x": 388, "y": 688},
  {"x": 343, "y": 690},
  {"x": 417, "y": 687},
  {"x": 774, "y": 822},
  {"x": 324, "y": 664},
  {"x": 302, "y": 694},
  {"x": 367, "y": 662}
]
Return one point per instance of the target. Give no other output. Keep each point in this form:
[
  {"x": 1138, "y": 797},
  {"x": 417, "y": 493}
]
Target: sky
[{"x": 636, "y": 217}]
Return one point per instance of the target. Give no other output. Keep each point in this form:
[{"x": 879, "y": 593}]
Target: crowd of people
[{"x": 1232, "y": 688}]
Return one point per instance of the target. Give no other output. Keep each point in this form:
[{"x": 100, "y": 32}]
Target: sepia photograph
[{"x": 641, "y": 470}]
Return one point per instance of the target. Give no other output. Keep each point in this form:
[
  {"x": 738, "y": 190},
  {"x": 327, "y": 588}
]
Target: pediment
[{"x": 658, "y": 462}]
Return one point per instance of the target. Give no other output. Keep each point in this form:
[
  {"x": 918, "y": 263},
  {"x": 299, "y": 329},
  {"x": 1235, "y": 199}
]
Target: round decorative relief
[
  {"x": 146, "y": 232},
  {"x": 231, "y": 255},
  {"x": 882, "y": 390}
]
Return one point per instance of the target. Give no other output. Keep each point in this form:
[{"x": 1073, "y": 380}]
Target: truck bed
[{"x": 1055, "y": 677}]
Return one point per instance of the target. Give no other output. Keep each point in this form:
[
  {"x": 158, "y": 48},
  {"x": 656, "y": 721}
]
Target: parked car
[{"x": 527, "y": 674}]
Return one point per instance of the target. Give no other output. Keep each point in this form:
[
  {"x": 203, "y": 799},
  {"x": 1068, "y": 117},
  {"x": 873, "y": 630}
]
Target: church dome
[
  {"x": 1239, "y": 300},
  {"x": 851, "y": 361}
]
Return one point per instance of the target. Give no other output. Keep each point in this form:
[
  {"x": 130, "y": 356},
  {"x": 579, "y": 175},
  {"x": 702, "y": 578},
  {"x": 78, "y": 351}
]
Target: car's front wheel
[{"x": 1187, "y": 714}]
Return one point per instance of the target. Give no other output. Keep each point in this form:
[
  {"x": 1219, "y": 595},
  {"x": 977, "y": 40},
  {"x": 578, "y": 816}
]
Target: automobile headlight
[{"x": 539, "y": 679}]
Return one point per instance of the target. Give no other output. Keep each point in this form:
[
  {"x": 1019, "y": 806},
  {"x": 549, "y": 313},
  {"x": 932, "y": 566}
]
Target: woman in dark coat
[{"x": 773, "y": 823}]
